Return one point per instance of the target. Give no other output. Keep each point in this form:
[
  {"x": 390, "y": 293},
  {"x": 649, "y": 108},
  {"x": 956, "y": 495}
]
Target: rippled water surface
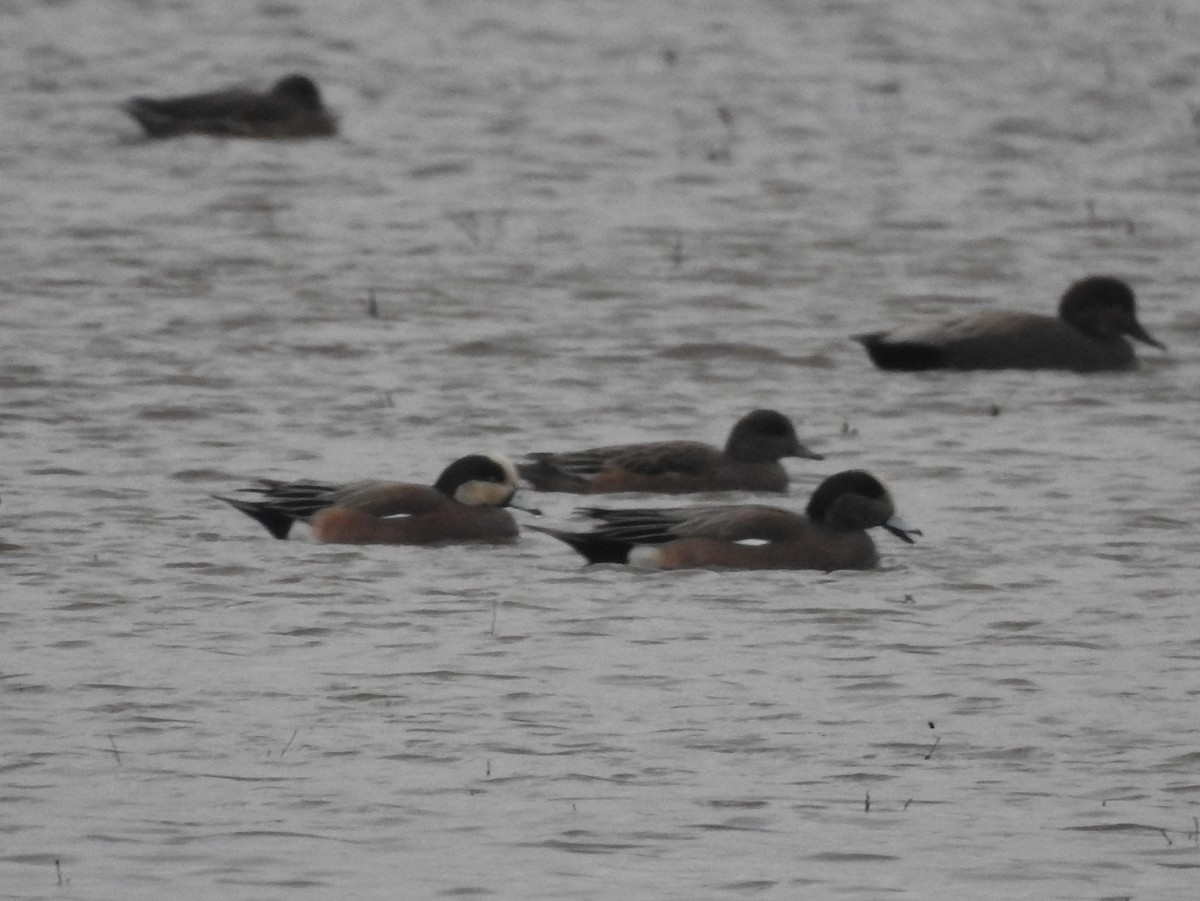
[{"x": 549, "y": 225}]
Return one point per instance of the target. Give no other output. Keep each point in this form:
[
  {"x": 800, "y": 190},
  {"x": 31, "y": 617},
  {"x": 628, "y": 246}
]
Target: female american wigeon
[
  {"x": 748, "y": 462},
  {"x": 467, "y": 503},
  {"x": 1094, "y": 315},
  {"x": 831, "y": 534},
  {"x": 292, "y": 108}
]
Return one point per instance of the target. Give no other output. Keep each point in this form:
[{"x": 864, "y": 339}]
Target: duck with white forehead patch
[{"x": 467, "y": 503}]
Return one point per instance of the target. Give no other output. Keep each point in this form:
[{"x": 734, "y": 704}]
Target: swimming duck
[
  {"x": 1088, "y": 335},
  {"x": 748, "y": 462},
  {"x": 829, "y": 535},
  {"x": 466, "y": 504},
  {"x": 292, "y": 108}
]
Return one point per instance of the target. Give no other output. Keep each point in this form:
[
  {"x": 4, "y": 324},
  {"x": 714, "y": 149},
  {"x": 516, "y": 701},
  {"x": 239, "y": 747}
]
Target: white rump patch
[{"x": 645, "y": 556}]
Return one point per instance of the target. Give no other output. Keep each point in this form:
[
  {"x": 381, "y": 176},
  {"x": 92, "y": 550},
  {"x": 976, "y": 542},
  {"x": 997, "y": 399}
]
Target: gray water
[{"x": 584, "y": 223}]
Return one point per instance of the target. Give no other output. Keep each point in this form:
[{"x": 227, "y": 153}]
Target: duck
[
  {"x": 292, "y": 108},
  {"x": 1095, "y": 316},
  {"x": 829, "y": 535},
  {"x": 467, "y": 503},
  {"x": 749, "y": 461}
]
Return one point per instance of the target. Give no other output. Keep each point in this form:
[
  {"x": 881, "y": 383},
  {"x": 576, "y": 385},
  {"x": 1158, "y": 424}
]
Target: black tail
[
  {"x": 902, "y": 356},
  {"x": 593, "y": 548},
  {"x": 155, "y": 121},
  {"x": 272, "y": 519}
]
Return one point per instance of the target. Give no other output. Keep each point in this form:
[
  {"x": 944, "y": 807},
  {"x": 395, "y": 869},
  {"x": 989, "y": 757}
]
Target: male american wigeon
[
  {"x": 467, "y": 503},
  {"x": 830, "y": 534},
  {"x": 748, "y": 462},
  {"x": 1094, "y": 315},
  {"x": 292, "y": 108}
]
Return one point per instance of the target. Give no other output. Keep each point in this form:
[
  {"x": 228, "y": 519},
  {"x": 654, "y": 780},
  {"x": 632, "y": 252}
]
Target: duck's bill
[
  {"x": 1136, "y": 331},
  {"x": 807, "y": 453},
  {"x": 901, "y": 529}
]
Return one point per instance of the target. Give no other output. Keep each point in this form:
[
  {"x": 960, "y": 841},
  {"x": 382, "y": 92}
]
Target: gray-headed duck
[{"x": 748, "y": 462}]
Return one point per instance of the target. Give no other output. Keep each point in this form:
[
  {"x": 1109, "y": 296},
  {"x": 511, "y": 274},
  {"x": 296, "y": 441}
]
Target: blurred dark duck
[
  {"x": 1089, "y": 335},
  {"x": 748, "y": 462},
  {"x": 290, "y": 109},
  {"x": 829, "y": 535}
]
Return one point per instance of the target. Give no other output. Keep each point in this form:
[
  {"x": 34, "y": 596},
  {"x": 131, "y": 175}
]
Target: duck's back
[
  {"x": 232, "y": 113},
  {"x": 666, "y": 467},
  {"x": 998, "y": 340}
]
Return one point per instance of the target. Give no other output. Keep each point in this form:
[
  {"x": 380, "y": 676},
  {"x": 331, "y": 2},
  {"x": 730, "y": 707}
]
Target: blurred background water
[{"x": 548, "y": 225}]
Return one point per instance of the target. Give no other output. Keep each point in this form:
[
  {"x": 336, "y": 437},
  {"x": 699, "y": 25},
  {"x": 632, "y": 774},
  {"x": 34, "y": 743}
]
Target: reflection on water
[{"x": 551, "y": 226}]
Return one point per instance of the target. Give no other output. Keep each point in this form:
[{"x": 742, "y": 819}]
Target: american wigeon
[
  {"x": 467, "y": 503},
  {"x": 831, "y": 534},
  {"x": 748, "y": 462},
  {"x": 1094, "y": 315},
  {"x": 292, "y": 108}
]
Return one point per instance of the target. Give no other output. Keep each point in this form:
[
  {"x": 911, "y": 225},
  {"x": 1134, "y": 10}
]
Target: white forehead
[{"x": 510, "y": 471}]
